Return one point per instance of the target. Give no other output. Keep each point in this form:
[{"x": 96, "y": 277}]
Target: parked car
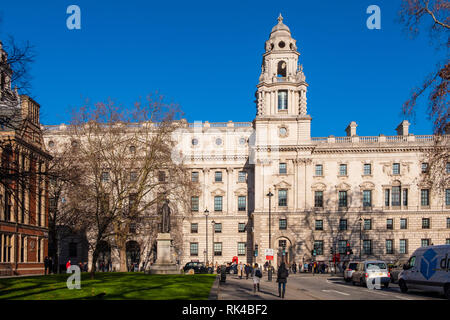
[
  {"x": 348, "y": 271},
  {"x": 198, "y": 267},
  {"x": 427, "y": 270},
  {"x": 231, "y": 268},
  {"x": 371, "y": 272}
]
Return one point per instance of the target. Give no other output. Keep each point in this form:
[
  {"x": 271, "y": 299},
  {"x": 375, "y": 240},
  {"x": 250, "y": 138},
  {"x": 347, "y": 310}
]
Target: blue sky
[{"x": 206, "y": 56}]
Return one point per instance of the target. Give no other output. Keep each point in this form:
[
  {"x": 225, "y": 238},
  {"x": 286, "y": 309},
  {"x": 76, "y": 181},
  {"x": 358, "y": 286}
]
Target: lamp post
[
  {"x": 213, "y": 231},
  {"x": 270, "y": 195},
  {"x": 206, "y": 251},
  {"x": 360, "y": 237}
]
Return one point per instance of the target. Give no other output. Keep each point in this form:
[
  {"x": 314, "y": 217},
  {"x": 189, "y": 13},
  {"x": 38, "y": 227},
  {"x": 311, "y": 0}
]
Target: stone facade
[{"x": 325, "y": 189}]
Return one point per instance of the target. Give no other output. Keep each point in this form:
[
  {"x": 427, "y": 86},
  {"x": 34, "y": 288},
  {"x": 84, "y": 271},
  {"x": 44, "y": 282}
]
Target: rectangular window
[
  {"x": 241, "y": 248},
  {"x": 367, "y": 169},
  {"x": 403, "y": 246},
  {"x": 218, "y": 176},
  {"x": 342, "y": 199},
  {"x": 367, "y": 198},
  {"x": 319, "y": 225},
  {"x": 386, "y": 197},
  {"x": 425, "y": 223},
  {"x": 217, "y": 228},
  {"x": 367, "y": 224},
  {"x": 425, "y": 197},
  {"x": 319, "y": 170},
  {"x": 133, "y": 176},
  {"x": 447, "y": 241},
  {"x": 396, "y": 168},
  {"x": 241, "y": 227},
  {"x": 390, "y": 224},
  {"x": 242, "y": 203},
  {"x": 367, "y": 246},
  {"x": 282, "y": 100},
  {"x": 282, "y": 224},
  {"x": 447, "y": 197},
  {"x": 194, "y": 248},
  {"x": 22, "y": 248},
  {"x": 242, "y": 176},
  {"x": 194, "y": 204},
  {"x": 424, "y": 167},
  {"x": 425, "y": 242},
  {"x": 105, "y": 176},
  {"x": 194, "y": 176},
  {"x": 342, "y": 245},
  {"x": 448, "y": 223},
  {"x": 8, "y": 205},
  {"x": 282, "y": 168},
  {"x": 318, "y": 246},
  {"x": 343, "y": 224},
  {"x": 395, "y": 196},
  {"x": 194, "y": 227},
  {"x": 447, "y": 167},
  {"x": 72, "y": 249},
  {"x": 282, "y": 198},
  {"x": 403, "y": 223},
  {"x": 161, "y": 176},
  {"x": 389, "y": 246},
  {"x": 405, "y": 197},
  {"x": 318, "y": 199},
  {"x": 217, "y": 203},
  {"x": 132, "y": 228},
  {"x": 39, "y": 250},
  {"x": 342, "y": 169},
  {"x": 217, "y": 248}
]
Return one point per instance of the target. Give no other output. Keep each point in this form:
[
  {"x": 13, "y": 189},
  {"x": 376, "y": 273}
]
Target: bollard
[{"x": 223, "y": 274}]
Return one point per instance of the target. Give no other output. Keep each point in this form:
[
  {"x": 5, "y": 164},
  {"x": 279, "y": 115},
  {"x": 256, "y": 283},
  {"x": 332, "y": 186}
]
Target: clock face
[{"x": 283, "y": 131}]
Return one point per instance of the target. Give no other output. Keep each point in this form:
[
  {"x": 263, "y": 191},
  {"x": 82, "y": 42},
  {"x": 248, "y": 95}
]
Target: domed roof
[{"x": 280, "y": 28}]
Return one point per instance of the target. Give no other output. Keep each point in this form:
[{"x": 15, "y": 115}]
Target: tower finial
[{"x": 280, "y": 18}]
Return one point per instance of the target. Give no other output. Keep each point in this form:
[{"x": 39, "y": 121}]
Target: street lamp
[
  {"x": 270, "y": 195},
  {"x": 206, "y": 251},
  {"x": 213, "y": 231},
  {"x": 360, "y": 237}
]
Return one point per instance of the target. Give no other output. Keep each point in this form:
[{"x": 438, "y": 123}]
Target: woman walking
[
  {"x": 240, "y": 270},
  {"x": 257, "y": 275},
  {"x": 282, "y": 275}
]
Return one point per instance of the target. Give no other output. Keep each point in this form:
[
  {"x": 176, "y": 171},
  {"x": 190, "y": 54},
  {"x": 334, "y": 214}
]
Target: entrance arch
[{"x": 133, "y": 251}]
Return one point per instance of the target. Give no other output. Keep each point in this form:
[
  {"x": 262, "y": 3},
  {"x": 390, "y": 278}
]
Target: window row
[
  {"x": 241, "y": 248},
  {"x": 217, "y": 227},
  {"x": 218, "y": 176},
  {"x": 27, "y": 248},
  {"x": 218, "y": 203},
  {"x": 366, "y": 224}
]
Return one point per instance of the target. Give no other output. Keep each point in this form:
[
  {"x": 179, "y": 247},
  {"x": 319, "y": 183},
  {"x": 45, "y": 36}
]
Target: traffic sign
[{"x": 269, "y": 254}]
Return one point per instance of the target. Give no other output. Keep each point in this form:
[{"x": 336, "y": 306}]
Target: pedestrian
[
  {"x": 240, "y": 270},
  {"x": 45, "y": 265},
  {"x": 50, "y": 265},
  {"x": 247, "y": 271},
  {"x": 265, "y": 266},
  {"x": 305, "y": 267},
  {"x": 294, "y": 268},
  {"x": 68, "y": 265},
  {"x": 282, "y": 275},
  {"x": 257, "y": 275}
]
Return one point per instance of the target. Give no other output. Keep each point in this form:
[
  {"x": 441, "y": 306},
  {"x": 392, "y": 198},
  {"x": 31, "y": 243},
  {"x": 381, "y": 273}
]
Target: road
[{"x": 317, "y": 287}]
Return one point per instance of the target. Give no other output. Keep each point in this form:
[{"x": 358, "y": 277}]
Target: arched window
[{"x": 281, "y": 69}]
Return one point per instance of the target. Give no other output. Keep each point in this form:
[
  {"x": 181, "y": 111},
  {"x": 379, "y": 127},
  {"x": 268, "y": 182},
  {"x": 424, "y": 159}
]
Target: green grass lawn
[{"x": 113, "y": 285}]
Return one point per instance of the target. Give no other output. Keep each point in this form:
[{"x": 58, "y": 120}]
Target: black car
[
  {"x": 198, "y": 267},
  {"x": 231, "y": 268}
]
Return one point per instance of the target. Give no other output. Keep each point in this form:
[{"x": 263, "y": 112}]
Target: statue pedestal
[{"x": 164, "y": 261}]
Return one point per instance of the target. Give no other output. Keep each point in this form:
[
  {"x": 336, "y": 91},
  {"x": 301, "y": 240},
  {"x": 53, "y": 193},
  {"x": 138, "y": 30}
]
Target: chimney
[
  {"x": 402, "y": 129},
  {"x": 351, "y": 129}
]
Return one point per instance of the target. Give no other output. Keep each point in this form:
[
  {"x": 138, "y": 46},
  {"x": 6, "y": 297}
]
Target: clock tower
[{"x": 281, "y": 91}]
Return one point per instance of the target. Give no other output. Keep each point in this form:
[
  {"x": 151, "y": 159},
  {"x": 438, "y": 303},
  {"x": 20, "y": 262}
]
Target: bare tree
[
  {"x": 433, "y": 16},
  {"x": 125, "y": 157}
]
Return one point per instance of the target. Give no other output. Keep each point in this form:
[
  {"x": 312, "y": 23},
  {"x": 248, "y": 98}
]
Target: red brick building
[{"x": 23, "y": 181}]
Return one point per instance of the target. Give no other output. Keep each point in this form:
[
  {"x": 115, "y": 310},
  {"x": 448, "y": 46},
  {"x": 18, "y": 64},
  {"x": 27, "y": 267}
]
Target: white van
[{"x": 428, "y": 269}]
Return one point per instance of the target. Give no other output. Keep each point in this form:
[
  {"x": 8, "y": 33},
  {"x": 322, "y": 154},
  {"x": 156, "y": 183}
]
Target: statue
[{"x": 165, "y": 220}]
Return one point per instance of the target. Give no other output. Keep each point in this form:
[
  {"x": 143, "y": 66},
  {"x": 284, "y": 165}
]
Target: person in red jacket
[{"x": 68, "y": 265}]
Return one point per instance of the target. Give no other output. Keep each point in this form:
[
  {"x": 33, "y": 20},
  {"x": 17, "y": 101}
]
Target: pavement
[{"x": 305, "y": 286}]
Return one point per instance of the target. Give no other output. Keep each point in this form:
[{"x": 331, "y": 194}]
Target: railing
[{"x": 380, "y": 139}]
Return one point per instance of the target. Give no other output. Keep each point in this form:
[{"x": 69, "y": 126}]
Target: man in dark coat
[
  {"x": 50, "y": 265},
  {"x": 282, "y": 275},
  {"x": 45, "y": 264},
  {"x": 294, "y": 268}
]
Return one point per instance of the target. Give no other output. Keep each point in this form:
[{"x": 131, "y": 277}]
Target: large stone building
[
  {"x": 23, "y": 185},
  {"x": 326, "y": 192}
]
